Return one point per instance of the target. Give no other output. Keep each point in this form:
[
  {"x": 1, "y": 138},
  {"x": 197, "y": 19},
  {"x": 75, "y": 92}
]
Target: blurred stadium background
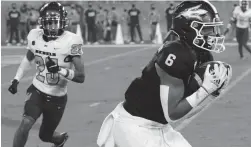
[{"x": 225, "y": 9}]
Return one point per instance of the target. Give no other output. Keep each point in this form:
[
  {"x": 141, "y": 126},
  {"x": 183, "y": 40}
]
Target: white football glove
[
  {"x": 228, "y": 78},
  {"x": 215, "y": 77}
]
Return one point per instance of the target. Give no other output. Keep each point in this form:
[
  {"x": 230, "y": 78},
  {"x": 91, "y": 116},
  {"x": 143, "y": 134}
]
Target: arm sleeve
[
  {"x": 235, "y": 12},
  {"x": 174, "y": 61},
  {"x": 31, "y": 40}
]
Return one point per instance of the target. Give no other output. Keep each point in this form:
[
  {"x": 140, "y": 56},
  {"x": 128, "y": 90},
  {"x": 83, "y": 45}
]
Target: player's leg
[
  {"x": 11, "y": 34},
  {"x": 239, "y": 37},
  {"x": 139, "y": 32},
  {"x": 32, "y": 111},
  {"x": 245, "y": 40},
  {"x": 83, "y": 30},
  {"x": 173, "y": 138},
  {"x": 89, "y": 33},
  {"x": 132, "y": 26},
  {"x": 152, "y": 32},
  {"x": 130, "y": 131},
  {"x": 17, "y": 35},
  {"x": 94, "y": 34},
  {"x": 154, "y": 29},
  {"x": 52, "y": 114},
  {"x": 129, "y": 135}
]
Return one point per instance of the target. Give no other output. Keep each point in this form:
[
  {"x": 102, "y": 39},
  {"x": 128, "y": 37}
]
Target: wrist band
[
  {"x": 67, "y": 73},
  {"x": 71, "y": 74},
  {"x": 197, "y": 97},
  {"x": 205, "y": 89}
]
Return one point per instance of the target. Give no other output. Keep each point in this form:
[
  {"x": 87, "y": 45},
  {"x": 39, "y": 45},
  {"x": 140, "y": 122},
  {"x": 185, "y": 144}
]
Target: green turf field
[{"x": 109, "y": 70}]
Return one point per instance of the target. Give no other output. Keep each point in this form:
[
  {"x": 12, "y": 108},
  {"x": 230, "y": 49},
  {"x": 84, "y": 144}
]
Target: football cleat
[{"x": 66, "y": 136}]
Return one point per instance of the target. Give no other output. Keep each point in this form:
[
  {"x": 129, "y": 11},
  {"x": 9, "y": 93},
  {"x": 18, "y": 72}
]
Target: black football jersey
[{"x": 143, "y": 94}]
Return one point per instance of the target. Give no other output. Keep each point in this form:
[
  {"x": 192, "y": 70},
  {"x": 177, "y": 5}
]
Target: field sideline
[
  {"x": 109, "y": 71},
  {"x": 113, "y": 45}
]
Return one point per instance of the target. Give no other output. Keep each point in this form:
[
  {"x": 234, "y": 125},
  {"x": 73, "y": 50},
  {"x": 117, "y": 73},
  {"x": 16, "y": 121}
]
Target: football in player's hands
[
  {"x": 52, "y": 66},
  {"x": 196, "y": 80}
]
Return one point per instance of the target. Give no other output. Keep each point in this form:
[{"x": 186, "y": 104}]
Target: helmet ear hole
[{"x": 195, "y": 25}]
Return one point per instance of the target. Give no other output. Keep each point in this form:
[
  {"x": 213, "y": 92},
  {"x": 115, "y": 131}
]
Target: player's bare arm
[
  {"x": 171, "y": 91},
  {"x": 79, "y": 73},
  {"x": 22, "y": 70}
]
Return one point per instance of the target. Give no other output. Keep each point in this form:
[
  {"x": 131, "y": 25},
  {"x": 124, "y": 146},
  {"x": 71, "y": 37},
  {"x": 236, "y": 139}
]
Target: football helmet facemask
[
  {"x": 53, "y": 19},
  {"x": 198, "y": 23}
]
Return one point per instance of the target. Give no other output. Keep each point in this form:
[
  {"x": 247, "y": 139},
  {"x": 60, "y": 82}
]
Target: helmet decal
[
  {"x": 198, "y": 23},
  {"x": 193, "y": 12}
]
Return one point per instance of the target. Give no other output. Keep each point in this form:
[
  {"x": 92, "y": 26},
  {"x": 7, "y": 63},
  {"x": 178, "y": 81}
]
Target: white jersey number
[
  {"x": 169, "y": 60},
  {"x": 51, "y": 78}
]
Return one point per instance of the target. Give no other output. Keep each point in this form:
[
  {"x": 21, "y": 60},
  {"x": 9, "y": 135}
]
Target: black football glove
[
  {"x": 52, "y": 66},
  {"x": 13, "y": 87}
]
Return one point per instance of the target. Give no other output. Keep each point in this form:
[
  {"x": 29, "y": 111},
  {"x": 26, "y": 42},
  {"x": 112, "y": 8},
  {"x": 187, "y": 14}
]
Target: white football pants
[{"x": 121, "y": 129}]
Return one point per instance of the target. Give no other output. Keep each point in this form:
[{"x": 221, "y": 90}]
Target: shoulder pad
[{"x": 176, "y": 60}]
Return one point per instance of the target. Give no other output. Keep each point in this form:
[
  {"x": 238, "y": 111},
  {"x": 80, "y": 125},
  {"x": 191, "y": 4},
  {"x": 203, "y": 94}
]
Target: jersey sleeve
[
  {"x": 236, "y": 11},
  {"x": 175, "y": 61},
  {"x": 76, "y": 46},
  {"x": 31, "y": 39}
]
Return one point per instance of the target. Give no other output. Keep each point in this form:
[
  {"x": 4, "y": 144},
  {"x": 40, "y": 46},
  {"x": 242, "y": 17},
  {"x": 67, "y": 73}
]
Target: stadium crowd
[{"x": 98, "y": 25}]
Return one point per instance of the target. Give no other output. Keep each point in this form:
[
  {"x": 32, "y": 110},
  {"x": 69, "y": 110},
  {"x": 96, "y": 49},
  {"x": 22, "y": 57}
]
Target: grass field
[{"x": 109, "y": 70}]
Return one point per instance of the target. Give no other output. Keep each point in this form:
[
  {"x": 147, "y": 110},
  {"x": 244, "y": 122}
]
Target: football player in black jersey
[{"x": 160, "y": 95}]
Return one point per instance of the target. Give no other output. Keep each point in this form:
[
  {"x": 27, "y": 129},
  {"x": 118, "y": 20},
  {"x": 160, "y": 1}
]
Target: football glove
[
  {"x": 228, "y": 78},
  {"x": 52, "y": 66},
  {"x": 13, "y": 87},
  {"x": 214, "y": 77}
]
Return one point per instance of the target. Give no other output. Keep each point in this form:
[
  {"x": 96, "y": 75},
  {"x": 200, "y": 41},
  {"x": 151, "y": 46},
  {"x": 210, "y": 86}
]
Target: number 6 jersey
[
  {"x": 143, "y": 95},
  {"x": 61, "y": 52}
]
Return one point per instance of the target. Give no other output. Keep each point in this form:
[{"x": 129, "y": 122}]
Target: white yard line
[
  {"x": 233, "y": 83},
  {"x": 94, "y": 104},
  {"x": 95, "y": 61}
]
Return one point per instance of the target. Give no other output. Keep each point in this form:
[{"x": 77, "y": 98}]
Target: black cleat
[{"x": 66, "y": 136}]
